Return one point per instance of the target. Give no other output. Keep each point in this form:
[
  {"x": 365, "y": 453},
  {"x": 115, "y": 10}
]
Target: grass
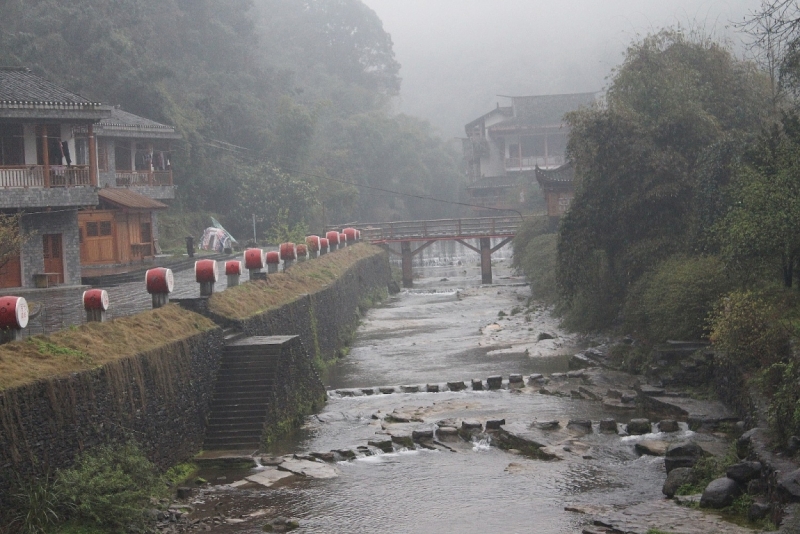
[
  {"x": 94, "y": 344},
  {"x": 253, "y": 298}
]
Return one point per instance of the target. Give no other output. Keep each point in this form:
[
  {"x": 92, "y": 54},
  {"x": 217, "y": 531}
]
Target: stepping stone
[
  {"x": 432, "y": 388},
  {"x": 447, "y": 433},
  {"x": 494, "y": 382},
  {"x": 456, "y": 386},
  {"x": 608, "y": 425},
  {"x": 410, "y": 389},
  {"x": 515, "y": 379},
  {"x": 668, "y": 425},
  {"x": 495, "y": 424},
  {"x": 386, "y": 390},
  {"x": 309, "y": 469},
  {"x": 403, "y": 438},
  {"x": 477, "y": 384},
  {"x": 268, "y": 477},
  {"x": 383, "y": 444}
]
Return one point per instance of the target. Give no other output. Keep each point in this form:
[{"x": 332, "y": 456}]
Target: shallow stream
[{"x": 445, "y": 329}]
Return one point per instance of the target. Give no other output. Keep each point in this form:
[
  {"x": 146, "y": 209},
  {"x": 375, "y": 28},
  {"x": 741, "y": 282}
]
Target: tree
[
  {"x": 761, "y": 226},
  {"x": 11, "y": 239},
  {"x": 649, "y": 162}
]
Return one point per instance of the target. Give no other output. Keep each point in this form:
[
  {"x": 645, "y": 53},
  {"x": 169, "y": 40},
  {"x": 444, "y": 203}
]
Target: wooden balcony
[
  {"x": 154, "y": 178},
  {"x": 33, "y": 176},
  {"x": 528, "y": 163}
]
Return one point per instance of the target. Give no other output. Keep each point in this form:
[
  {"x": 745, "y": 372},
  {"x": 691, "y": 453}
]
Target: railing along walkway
[{"x": 440, "y": 229}]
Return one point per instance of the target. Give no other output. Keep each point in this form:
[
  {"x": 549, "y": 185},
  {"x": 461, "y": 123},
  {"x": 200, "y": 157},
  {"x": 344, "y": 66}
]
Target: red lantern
[
  {"x": 350, "y": 234},
  {"x": 159, "y": 280},
  {"x": 13, "y": 313},
  {"x": 254, "y": 259},
  {"x": 273, "y": 257},
  {"x": 342, "y": 239},
  {"x": 333, "y": 237},
  {"x": 205, "y": 271},
  {"x": 233, "y": 267},
  {"x": 95, "y": 299},
  {"x": 302, "y": 251},
  {"x": 288, "y": 252},
  {"x": 323, "y": 243},
  {"x": 312, "y": 242}
]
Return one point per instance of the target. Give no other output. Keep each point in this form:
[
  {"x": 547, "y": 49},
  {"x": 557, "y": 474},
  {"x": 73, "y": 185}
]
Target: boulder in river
[
  {"x": 494, "y": 424},
  {"x": 403, "y": 438},
  {"x": 789, "y": 485},
  {"x": 668, "y": 425},
  {"x": 608, "y": 425},
  {"x": 744, "y": 472},
  {"x": 547, "y": 425},
  {"x": 651, "y": 447},
  {"x": 580, "y": 425},
  {"x": 638, "y": 427},
  {"x": 683, "y": 454},
  {"x": 676, "y": 478},
  {"x": 720, "y": 493},
  {"x": 384, "y": 444}
]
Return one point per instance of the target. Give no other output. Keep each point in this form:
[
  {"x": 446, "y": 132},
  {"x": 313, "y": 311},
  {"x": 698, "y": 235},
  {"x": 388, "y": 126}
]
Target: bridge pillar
[
  {"x": 486, "y": 260},
  {"x": 407, "y": 256}
]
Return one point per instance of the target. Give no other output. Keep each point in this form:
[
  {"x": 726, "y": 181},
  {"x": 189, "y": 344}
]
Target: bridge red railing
[{"x": 440, "y": 229}]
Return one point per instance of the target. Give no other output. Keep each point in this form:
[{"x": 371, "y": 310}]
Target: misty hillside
[{"x": 273, "y": 98}]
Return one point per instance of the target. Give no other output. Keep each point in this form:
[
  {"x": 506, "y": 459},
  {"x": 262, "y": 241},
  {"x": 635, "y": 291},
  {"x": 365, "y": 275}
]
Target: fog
[{"x": 458, "y": 55}]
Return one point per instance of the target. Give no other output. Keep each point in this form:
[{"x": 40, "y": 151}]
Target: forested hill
[{"x": 294, "y": 85}]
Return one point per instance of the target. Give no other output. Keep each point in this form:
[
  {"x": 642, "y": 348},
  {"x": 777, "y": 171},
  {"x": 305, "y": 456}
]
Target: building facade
[
  {"x": 504, "y": 147},
  {"x": 41, "y": 179},
  {"x": 134, "y": 161}
]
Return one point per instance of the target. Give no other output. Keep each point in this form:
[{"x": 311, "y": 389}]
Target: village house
[
  {"x": 505, "y": 147},
  {"x": 134, "y": 162},
  {"x": 44, "y": 176}
]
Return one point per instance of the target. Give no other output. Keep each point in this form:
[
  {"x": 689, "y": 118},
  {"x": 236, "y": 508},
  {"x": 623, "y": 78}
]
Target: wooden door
[
  {"x": 10, "y": 273},
  {"x": 53, "y": 257}
]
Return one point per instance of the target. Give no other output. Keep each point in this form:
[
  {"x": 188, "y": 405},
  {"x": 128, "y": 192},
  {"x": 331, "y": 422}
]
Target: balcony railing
[
  {"x": 531, "y": 162},
  {"x": 21, "y": 176},
  {"x": 159, "y": 178}
]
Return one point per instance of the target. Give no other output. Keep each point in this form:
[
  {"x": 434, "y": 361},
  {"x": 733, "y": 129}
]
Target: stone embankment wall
[
  {"x": 159, "y": 398},
  {"x": 324, "y": 320}
]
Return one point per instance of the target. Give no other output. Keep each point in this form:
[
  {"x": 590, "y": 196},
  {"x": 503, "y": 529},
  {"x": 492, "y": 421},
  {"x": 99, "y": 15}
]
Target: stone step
[
  {"x": 256, "y": 384},
  {"x": 239, "y": 410},
  {"x": 221, "y": 428},
  {"x": 231, "y": 442},
  {"x": 234, "y": 374},
  {"x": 235, "y": 418},
  {"x": 244, "y": 399},
  {"x": 235, "y": 350}
]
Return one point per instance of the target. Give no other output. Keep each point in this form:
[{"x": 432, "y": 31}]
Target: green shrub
[
  {"x": 674, "y": 300},
  {"x": 779, "y": 382},
  {"x": 111, "y": 486},
  {"x": 538, "y": 262},
  {"x": 749, "y": 329},
  {"x": 37, "y": 506}
]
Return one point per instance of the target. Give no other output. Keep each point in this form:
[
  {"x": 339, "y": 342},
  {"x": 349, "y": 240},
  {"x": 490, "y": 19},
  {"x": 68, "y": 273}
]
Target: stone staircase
[{"x": 243, "y": 392}]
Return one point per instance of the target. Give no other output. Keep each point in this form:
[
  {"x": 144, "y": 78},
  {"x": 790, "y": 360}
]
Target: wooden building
[
  {"x": 41, "y": 178},
  {"x": 120, "y": 230},
  {"x": 504, "y": 147}
]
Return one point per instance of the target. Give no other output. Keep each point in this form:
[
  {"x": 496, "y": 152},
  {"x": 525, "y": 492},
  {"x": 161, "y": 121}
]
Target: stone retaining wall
[
  {"x": 324, "y": 320},
  {"x": 160, "y": 399}
]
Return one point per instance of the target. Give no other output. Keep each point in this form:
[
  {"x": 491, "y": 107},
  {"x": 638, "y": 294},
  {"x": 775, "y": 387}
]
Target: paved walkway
[
  {"x": 62, "y": 307},
  {"x": 132, "y": 298}
]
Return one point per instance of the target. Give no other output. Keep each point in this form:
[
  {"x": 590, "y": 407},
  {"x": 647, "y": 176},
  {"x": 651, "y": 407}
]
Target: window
[
  {"x": 91, "y": 229},
  {"x": 81, "y": 152},
  {"x": 102, "y": 155},
  {"x": 147, "y": 235},
  {"x": 12, "y": 150},
  {"x": 105, "y": 227}
]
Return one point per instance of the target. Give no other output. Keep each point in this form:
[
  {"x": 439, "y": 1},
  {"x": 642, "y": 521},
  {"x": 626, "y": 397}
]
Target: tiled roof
[
  {"x": 125, "y": 198},
  {"x": 124, "y": 124},
  {"x": 20, "y": 88},
  {"x": 544, "y": 110},
  {"x": 564, "y": 173}
]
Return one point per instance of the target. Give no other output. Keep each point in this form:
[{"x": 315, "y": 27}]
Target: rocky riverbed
[{"x": 461, "y": 408}]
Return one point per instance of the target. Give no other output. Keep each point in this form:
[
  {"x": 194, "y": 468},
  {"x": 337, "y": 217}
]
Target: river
[{"x": 448, "y": 328}]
